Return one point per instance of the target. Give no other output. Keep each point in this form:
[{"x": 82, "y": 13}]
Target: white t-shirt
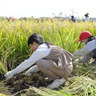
[
  {"x": 89, "y": 47},
  {"x": 41, "y": 52}
]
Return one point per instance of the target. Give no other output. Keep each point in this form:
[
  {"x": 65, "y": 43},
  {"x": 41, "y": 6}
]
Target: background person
[
  {"x": 87, "y": 17},
  {"x": 53, "y": 61},
  {"x": 73, "y": 18}
]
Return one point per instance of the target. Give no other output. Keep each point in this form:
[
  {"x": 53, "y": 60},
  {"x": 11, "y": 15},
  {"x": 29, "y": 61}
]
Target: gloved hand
[
  {"x": 33, "y": 69},
  {"x": 27, "y": 73},
  {"x": 76, "y": 63},
  {"x": 9, "y": 74}
]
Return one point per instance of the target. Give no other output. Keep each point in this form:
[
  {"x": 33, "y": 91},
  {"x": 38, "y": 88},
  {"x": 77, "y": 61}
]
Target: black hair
[
  {"x": 35, "y": 37},
  {"x": 91, "y": 38}
]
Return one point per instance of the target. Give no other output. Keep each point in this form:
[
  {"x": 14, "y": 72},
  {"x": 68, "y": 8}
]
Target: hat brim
[{"x": 79, "y": 40}]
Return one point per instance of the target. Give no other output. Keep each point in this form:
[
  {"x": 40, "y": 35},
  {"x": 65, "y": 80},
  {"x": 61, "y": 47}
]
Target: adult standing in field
[
  {"x": 88, "y": 51},
  {"x": 53, "y": 61},
  {"x": 73, "y": 18},
  {"x": 87, "y": 17},
  {"x": 11, "y": 18}
]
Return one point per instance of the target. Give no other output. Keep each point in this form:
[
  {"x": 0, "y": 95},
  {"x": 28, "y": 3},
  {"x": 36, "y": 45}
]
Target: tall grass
[
  {"x": 2, "y": 69},
  {"x": 14, "y": 35}
]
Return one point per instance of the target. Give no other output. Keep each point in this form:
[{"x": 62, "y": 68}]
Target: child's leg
[
  {"x": 51, "y": 70},
  {"x": 44, "y": 67}
]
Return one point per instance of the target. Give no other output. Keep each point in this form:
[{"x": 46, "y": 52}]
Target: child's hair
[
  {"x": 91, "y": 38},
  {"x": 35, "y": 37}
]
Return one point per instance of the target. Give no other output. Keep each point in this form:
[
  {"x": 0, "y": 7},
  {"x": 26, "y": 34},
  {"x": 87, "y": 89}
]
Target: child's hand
[
  {"x": 27, "y": 73},
  {"x": 32, "y": 70},
  {"x": 9, "y": 75},
  {"x": 76, "y": 63}
]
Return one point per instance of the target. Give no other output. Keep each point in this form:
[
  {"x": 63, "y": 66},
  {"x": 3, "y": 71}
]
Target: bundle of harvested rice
[{"x": 4, "y": 89}]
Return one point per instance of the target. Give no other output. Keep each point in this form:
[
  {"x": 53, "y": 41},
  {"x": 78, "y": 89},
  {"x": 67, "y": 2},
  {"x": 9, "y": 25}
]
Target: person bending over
[
  {"x": 53, "y": 61},
  {"x": 88, "y": 51}
]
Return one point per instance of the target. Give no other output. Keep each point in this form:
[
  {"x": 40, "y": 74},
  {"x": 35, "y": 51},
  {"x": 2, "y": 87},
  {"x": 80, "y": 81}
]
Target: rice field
[{"x": 14, "y": 50}]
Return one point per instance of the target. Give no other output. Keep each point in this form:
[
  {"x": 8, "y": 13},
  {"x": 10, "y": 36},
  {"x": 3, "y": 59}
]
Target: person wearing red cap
[
  {"x": 88, "y": 51},
  {"x": 73, "y": 18}
]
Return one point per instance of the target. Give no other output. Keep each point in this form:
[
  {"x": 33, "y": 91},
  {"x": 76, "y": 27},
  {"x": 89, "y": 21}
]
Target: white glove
[
  {"x": 76, "y": 61},
  {"x": 9, "y": 74},
  {"x": 33, "y": 69}
]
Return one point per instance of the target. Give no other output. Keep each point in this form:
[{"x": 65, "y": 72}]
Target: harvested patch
[
  {"x": 21, "y": 82},
  {"x": 82, "y": 86},
  {"x": 83, "y": 69},
  {"x": 77, "y": 84},
  {"x": 33, "y": 91},
  {"x": 1, "y": 94},
  {"x": 4, "y": 90}
]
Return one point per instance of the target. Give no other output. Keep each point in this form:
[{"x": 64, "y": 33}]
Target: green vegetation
[
  {"x": 2, "y": 69},
  {"x": 14, "y": 50}
]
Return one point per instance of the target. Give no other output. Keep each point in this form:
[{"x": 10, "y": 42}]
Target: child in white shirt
[{"x": 53, "y": 61}]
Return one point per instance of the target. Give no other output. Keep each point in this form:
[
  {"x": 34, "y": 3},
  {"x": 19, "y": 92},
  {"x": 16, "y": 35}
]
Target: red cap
[
  {"x": 72, "y": 16},
  {"x": 84, "y": 35}
]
